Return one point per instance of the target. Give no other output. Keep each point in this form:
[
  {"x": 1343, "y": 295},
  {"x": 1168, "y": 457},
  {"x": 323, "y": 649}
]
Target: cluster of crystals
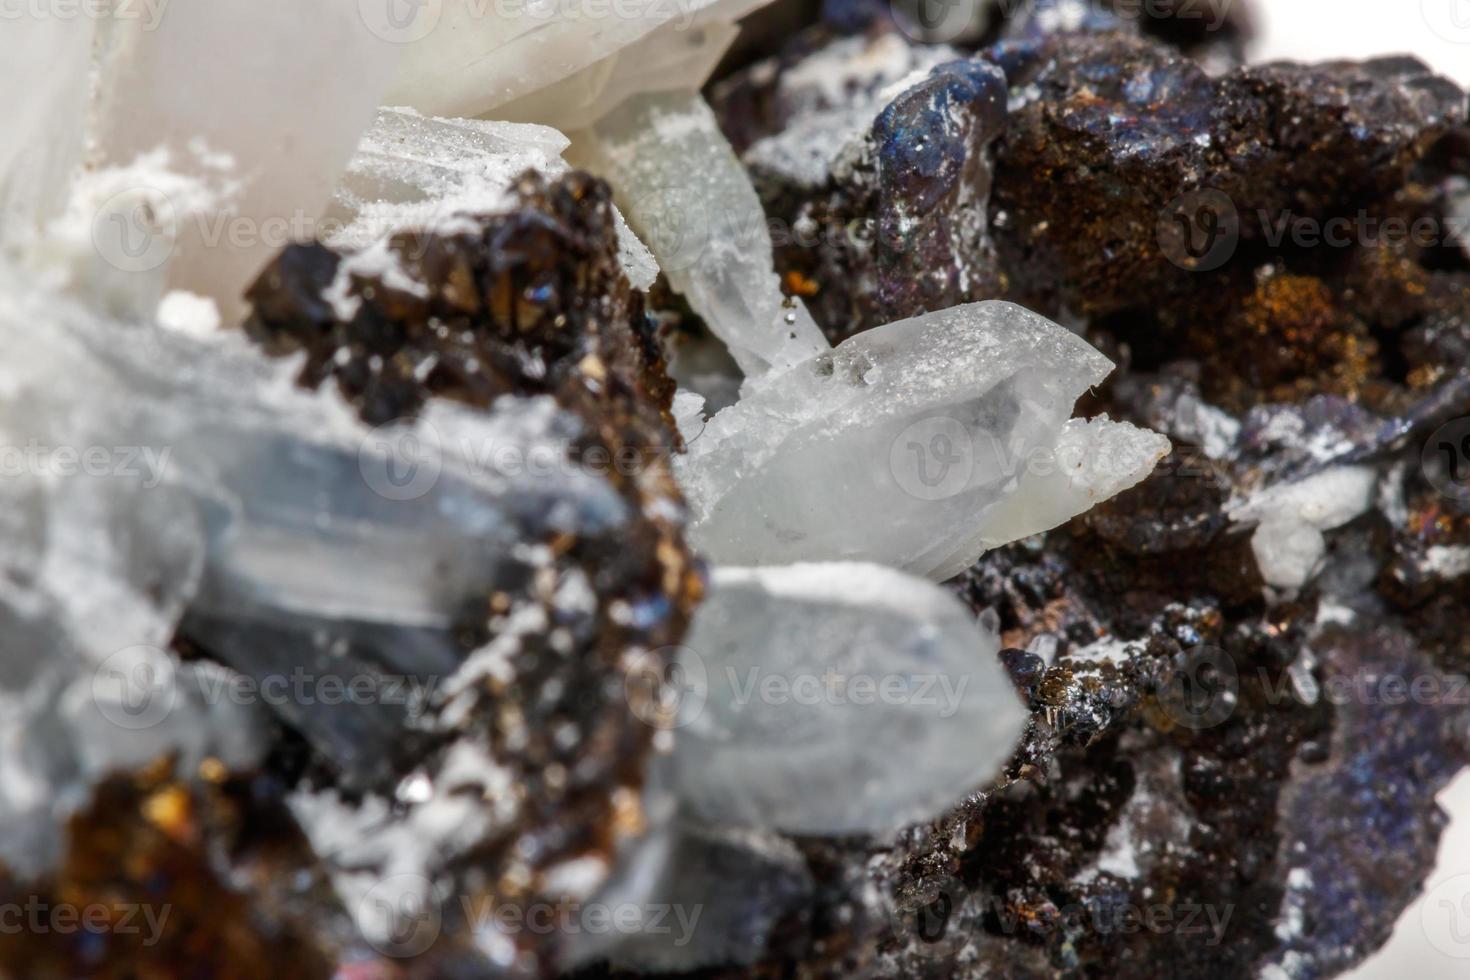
[
  {"x": 1184, "y": 647},
  {"x": 506, "y": 549}
]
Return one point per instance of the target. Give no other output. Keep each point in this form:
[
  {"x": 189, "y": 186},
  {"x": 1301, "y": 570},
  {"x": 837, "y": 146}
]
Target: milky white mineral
[
  {"x": 919, "y": 445},
  {"x": 837, "y": 699},
  {"x": 1288, "y": 542},
  {"x": 193, "y": 184},
  {"x": 46, "y": 58},
  {"x": 688, "y": 197},
  {"x": 422, "y": 173},
  {"x": 471, "y": 58}
]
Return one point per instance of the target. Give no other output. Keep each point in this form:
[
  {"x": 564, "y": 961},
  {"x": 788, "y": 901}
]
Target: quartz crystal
[
  {"x": 688, "y": 197},
  {"x": 233, "y": 126},
  {"x": 467, "y": 58},
  {"x": 49, "y": 57},
  {"x": 940, "y": 437},
  {"x": 269, "y": 512},
  {"x": 836, "y": 699},
  {"x": 414, "y": 172}
]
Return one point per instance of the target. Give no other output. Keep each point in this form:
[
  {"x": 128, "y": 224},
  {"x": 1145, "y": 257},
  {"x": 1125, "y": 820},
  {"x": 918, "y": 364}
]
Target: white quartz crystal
[
  {"x": 472, "y": 58},
  {"x": 156, "y": 470},
  {"x": 688, "y": 197},
  {"x": 919, "y": 445},
  {"x": 672, "y": 58},
  {"x": 836, "y": 699},
  {"x": 210, "y": 134},
  {"x": 1288, "y": 542},
  {"x": 46, "y": 59},
  {"x": 417, "y": 172}
]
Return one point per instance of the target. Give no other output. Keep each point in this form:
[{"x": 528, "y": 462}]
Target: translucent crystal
[
  {"x": 691, "y": 201},
  {"x": 240, "y": 116},
  {"x": 47, "y": 58},
  {"x": 467, "y": 58},
  {"x": 836, "y": 699},
  {"x": 672, "y": 58},
  {"x": 919, "y": 445},
  {"x": 417, "y": 172},
  {"x": 268, "y": 512}
]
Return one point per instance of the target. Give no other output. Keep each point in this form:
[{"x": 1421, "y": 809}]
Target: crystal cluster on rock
[
  {"x": 860, "y": 657},
  {"x": 942, "y": 436}
]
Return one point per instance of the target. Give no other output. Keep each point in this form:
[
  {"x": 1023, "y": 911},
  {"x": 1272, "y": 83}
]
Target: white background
[{"x": 1438, "y": 31}]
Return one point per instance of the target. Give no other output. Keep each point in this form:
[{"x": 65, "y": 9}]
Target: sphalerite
[{"x": 376, "y": 596}]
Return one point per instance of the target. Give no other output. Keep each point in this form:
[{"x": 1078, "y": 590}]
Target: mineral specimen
[
  {"x": 687, "y": 195},
  {"x": 817, "y": 686},
  {"x": 377, "y": 638},
  {"x": 877, "y": 165},
  {"x": 942, "y": 436}
]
